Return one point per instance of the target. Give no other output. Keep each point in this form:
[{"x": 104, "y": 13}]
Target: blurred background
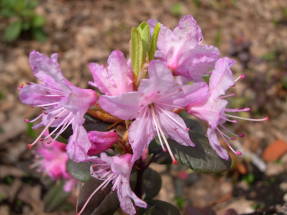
[{"x": 254, "y": 32}]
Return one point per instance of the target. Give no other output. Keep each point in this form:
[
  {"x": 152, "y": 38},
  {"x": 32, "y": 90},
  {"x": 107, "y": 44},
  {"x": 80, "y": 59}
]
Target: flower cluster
[{"x": 183, "y": 74}]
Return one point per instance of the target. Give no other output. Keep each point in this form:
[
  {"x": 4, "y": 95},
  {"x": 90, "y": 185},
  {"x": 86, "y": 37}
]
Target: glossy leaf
[
  {"x": 80, "y": 171},
  {"x": 103, "y": 203},
  {"x": 151, "y": 183},
  {"x": 55, "y": 198},
  {"x": 202, "y": 157},
  {"x": 160, "y": 207}
]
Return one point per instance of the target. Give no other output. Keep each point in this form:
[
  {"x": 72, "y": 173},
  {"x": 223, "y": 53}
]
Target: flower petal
[
  {"x": 34, "y": 94},
  {"x": 125, "y": 106},
  {"x": 198, "y": 62},
  {"x": 101, "y": 141},
  {"x": 194, "y": 95},
  {"x": 221, "y": 77},
  {"x": 211, "y": 111},
  {"x": 116, "y": 79},
  {"x": 46, "y": 69},
  {"x": 175, "y": 127},
  {"x": 141, "y": 132},
  {"x": 79, "y": 144},
  {"x": 215, "y": 144}
]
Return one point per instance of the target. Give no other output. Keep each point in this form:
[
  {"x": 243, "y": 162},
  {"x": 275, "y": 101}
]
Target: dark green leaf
[
  {"x": 136, "y": 51},
  {"x": 39, "y": 35},
  {"x": 12, "y": 32},
  {"x": 103, "y": 196},
  {"x": 151, "y": 183},
  {"x": 160, "y": 207},
  {"x": 202, "y": 157},
  {"x": 55, "y": 197},
  {"x": 153, "y": 43},
  {"x": 108, "y": 206},
  {"x": 80, "y": 171}
]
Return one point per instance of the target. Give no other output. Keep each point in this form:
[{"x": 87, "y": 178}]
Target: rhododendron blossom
[
  {"x": 183, "y": 51},
  {"x": 63, "y": 103},
  {"x": 152, "y": 107},
  {"x": 116, "y": 170},
  {"x": 51, "y": 159},
  {"x": 214, "y": 110},
  {"x": 169, "y": 78}
]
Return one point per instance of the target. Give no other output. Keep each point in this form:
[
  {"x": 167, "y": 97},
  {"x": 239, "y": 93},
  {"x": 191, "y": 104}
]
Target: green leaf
[
  {"x": 103, "y": 203},
  {"x": 12, "y": 32},
  {"x": 202, "y": 157},
  {"x": 38, "y": 21},
  {"x": 151, "y": 183},
  {"x": 39, "y": 35},
  {"x": 176, "y": 9},
  {"x": 136, "y": 51},
  {"x": 55, "y": 197},
  {"x": 144, "y": 31},
  {"x": 153, "y": 43},
  {"x": 108, "y": 206},
  {"x": 160, "y": 207},
  {"x": 30, "y": 131},
  {"x": 80, "y": 171}
]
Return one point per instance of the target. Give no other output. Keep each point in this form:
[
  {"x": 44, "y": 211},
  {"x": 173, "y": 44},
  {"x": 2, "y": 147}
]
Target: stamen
[
  {"x": 35, "y": 119},
  {"x": 248, "y": 119},
  {"x": 227, "y": 96},
  {"x": 173, "y": 119},
  {"x": 225, "y": 138},
  {"x": 102, "y": 185},
  {"x": 237, "y": 110},
  {"x": 64, "y": 121},
  {"x": 163, "y": 137},
  {"x": 48, "y": 104},
  {"x": 44, "y": 130},
  {"x": 242, "y": 76},
  {"x": 157, "y": 130}
]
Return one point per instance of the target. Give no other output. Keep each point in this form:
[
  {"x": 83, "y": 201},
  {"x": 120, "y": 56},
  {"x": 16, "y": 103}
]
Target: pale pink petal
[
  {"x": 211, "y": 111},
  {"x": 46, "y": 69},
  {"x": 34, "y": 94},
  {"x": 215, "y": 144},
  {"x": 221, "y": 77},
  {"x": 194, "y": 95},
  {"x": 198, "y": 62},
  {"x": 114, "y": 80},
  {"x": 69, "y": 185},
  {"x": 141, "y": 132},
  {"x": 125, "y": 106},
  {"x": 158, "y": 70},
  {"x": 79, "y": 144},
  {"x": 175, "y": 127}
]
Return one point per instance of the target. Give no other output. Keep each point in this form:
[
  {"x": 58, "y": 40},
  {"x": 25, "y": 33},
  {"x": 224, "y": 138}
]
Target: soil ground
[{"x": 253, "y": 32}]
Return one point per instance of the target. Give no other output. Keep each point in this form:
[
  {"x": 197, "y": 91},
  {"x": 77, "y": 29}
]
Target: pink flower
[
  {"x": 152, "y": 106},
  {"x": 213, "y": 108},
  {"x": 116, "y": 170},
  {"x": 116, "y": 78},
  {"x": 183, "y": 51},
  {"x": 63, "y": 103},
  {"x": 52, "y": 160},
  {"x": 101, "y": 141}
]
